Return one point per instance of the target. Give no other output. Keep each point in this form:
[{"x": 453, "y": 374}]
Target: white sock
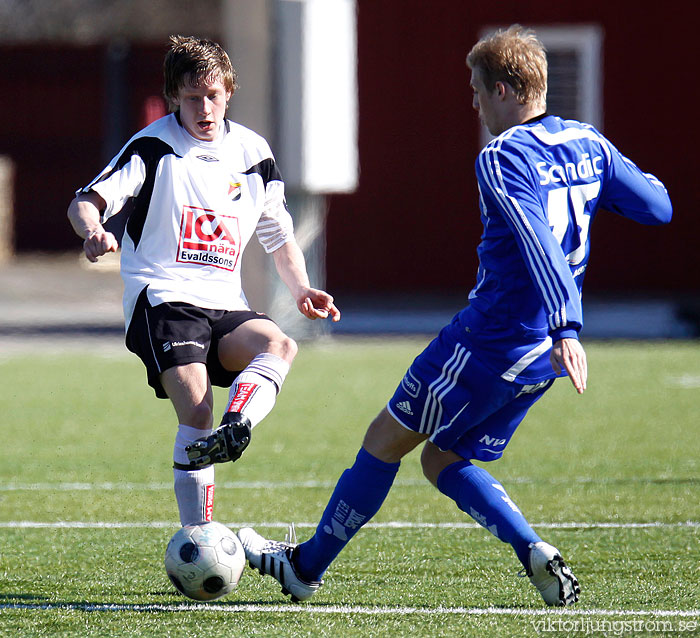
[
  {"x": 186, "y": 434},
  {"x": 255, "y": 389},
  {"x": 194, "y": 489}
]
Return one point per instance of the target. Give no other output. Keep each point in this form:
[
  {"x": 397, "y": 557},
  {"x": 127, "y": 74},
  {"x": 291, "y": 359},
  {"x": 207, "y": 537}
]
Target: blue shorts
[{"x": 462, "y": 405}]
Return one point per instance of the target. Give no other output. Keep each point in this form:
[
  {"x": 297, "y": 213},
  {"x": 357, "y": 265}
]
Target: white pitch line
[
  {"x": 342, "y": 609},
  {"x": 82, "y": 486},
  {"x": 154, "y": 486},
  {"x": 376, "y": 525}
]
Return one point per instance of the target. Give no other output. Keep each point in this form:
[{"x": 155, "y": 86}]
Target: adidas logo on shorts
[{"x": 405, "y": 406}]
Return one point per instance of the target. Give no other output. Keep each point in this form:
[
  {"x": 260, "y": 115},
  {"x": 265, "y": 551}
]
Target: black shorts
[{"x": 173, "y": 334}]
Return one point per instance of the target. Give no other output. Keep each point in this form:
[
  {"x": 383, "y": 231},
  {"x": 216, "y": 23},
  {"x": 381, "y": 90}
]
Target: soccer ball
[{"x": 204, "y": 561}]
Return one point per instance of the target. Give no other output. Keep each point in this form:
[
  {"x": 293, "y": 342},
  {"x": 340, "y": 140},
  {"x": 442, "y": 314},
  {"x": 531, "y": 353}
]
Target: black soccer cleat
[{"x": 226, "y": 443}]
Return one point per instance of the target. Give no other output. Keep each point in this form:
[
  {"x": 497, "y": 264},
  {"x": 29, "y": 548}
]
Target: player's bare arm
[
  {"x": 84, "y": 216},
  {"x": 568, "y": 354},
  {"x": 311, "y": 302}
]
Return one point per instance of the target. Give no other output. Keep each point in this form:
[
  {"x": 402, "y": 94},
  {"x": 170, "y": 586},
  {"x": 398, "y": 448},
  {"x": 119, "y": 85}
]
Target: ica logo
[{"x": 208, "y": 239}]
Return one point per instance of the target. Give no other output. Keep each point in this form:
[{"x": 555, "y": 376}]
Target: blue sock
[
  {"x": 481, "y": 496},
  {"x": 357, "y": 497}
]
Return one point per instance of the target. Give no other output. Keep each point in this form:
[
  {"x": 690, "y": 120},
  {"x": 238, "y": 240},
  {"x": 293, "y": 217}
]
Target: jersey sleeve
[
  {"x": 507, "y": 187},
  {"x": 633, "y": 194},
  {"x": 121, "y": 180},
  {"x": 275, "y": 227}
]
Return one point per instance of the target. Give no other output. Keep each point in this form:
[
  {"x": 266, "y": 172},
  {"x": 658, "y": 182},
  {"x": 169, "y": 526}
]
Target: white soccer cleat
[
  {"x": 551, "y": 575},
  {"x": 274, "y": 558}
]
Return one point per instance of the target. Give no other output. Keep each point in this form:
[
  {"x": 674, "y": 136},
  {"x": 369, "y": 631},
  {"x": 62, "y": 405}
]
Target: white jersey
[{"x": 192, "y": 206}]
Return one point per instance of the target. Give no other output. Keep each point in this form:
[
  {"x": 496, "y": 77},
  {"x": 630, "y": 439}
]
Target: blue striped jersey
[{"x": 541, "y": 184}]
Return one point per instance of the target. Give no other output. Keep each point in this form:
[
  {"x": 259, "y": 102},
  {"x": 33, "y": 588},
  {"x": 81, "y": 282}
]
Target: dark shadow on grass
[
  {"x": 636, "y": 480},
  {"x": 59, "y": 330},
  {"x": 22, "y": 597},
  {"x": 18, "y": 602},
  {"x": 180, "y": 600},
  {"x": 231, "y": 602},
  {"x": 692, "y": 480}
]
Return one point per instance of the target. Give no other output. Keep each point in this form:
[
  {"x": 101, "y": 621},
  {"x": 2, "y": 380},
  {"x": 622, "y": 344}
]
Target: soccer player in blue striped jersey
[{"x": 541, "y": 182}]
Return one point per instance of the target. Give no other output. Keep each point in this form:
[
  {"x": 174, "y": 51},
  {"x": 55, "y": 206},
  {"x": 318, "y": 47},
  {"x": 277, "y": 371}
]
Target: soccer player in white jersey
[
  {"x": 541, "y": 182},
  {"x": 194, "y": 187}
]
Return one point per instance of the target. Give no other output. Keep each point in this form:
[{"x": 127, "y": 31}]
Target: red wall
[
  {"x": 413, "y": 225},
  {"x": 415, "y": 220},
  {"x": 51, "y": 125}
]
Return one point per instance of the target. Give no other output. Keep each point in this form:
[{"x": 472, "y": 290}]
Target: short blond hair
[
  {"x": 516, "y": 57},
  {"x": 192, "y": 60}
]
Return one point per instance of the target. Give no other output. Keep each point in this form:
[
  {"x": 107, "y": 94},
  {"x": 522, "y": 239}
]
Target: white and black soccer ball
[{"x": 204, "y": 561}]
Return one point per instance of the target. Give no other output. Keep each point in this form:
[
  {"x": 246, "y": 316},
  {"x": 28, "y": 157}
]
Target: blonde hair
[
  {"x": 516, "y": 57},
  {"x": 192, "y": 60}
]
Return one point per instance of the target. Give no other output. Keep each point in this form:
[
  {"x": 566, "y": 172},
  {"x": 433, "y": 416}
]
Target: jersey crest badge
[{"x": 234, "y": 191}]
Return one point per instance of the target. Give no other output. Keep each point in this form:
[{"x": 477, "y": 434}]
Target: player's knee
[
  {"x": 427, "y": 462},
  {"x": 283, "y": 346},
  {"x": 388, "y": 440},
  {"x": 200, "y": 416},
  {"x": 433, "y": 461}
]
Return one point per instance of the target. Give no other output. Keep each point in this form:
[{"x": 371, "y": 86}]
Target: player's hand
[
  {"x": 98, "y": 243},
  {"x": 569, "y": 355},
  {"x": 317, "y": 304}
]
